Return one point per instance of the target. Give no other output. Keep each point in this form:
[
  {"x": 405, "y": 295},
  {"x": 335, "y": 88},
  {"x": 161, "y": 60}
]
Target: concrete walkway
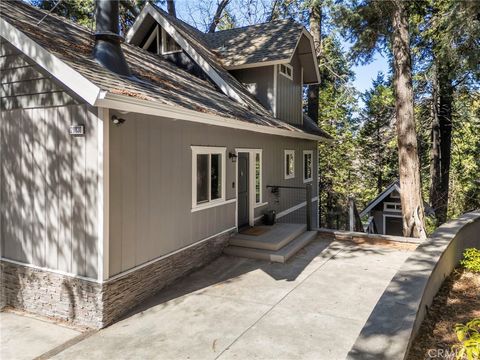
[
  {"x": 310, "y": 308},
  {"x": 23, "y": 337}
]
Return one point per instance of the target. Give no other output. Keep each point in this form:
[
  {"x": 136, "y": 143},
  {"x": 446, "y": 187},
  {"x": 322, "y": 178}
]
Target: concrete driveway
[{"x": 311, "y": 308}]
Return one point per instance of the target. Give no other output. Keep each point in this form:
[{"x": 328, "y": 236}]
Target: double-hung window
[
  {"x": 208, "y": 175},
  {"x": 307, "y": 166},
  {"x": 289, "y": 163}
]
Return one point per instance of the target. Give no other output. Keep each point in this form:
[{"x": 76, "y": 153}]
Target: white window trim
[
  {"x": 207, "y": 150},
  {"x": 385, "y": 222},
  {"x": 285, "y": 153},
  {"x": 288, "y": 66},
  {"x": 307, "y": 152},
  {"x": 396, "y": 204},
  {"x": 254, "y": 153},
  {"x": 164, "y": 44}
]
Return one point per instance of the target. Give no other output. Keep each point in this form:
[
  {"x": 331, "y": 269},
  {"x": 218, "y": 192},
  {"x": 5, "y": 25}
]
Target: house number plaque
[{"x": 77, "y": 130}]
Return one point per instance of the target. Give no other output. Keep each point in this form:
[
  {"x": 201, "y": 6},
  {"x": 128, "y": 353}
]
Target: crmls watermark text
[{"x": 444, "y": 354}]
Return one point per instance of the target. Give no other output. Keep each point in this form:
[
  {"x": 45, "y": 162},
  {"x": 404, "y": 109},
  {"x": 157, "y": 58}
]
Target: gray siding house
[{"x": 113, "y": 185}]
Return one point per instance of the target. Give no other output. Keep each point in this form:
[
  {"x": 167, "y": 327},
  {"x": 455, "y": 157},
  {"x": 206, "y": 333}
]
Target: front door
[
  {"x": 242, "y": 196},
  {"x": 393, "y": 226}
]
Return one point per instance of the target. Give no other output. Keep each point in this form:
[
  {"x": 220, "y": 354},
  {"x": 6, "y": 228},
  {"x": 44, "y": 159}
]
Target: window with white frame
[
  {"x": 160, "y": 42},
  {"x": 307, "y": 166},
  {"x": 208, "y": 175},
  {"x": 289, "y": 163},
  {"x": 286, "y": 70},
  {"x": 169, "y": 45},
  {"x": 391, "y": 206},
  {"x": 258, "y": 177}
]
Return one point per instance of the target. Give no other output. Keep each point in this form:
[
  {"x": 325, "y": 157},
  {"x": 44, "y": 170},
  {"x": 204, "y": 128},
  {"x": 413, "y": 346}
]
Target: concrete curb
[
  {"x": 395, "y": 320},
  {"x": 353, "y": 235}
]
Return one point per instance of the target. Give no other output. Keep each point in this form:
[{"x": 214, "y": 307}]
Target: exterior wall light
[
  {"x": 232, "y": 156},
  {"x": 117, "y": 121}
]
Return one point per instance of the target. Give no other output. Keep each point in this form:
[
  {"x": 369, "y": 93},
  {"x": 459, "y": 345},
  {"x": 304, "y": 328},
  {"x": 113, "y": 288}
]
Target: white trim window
[
  {"x": 392, "y": 206},
  {"x": 289, "y": 164},
  {"x": 169, "y": 46},
  {"x": 286, "y": 70},
  {"x": 166, "y": 46},
  {"x": 208, "y": 176},
  {"x": 307, "y": 166}
]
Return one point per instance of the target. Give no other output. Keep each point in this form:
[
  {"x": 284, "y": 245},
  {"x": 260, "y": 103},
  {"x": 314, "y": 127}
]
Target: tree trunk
[
  {"x": 218, "y": 15},
  {"x": 379, "y": 158},
  {"x": 445, "y": 95},
  {"x": 171, "y": 8},
  {"x": 273, "y": 12},
  {"x": 316, "y": 31},
  {"x": 435, "y": 175},
  {"x": 409, "y": 167}
]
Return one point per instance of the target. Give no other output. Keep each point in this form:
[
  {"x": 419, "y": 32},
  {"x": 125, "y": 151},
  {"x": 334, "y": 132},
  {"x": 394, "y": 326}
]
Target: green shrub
[
  {"x": 471, "y": 260},
  {"x": 469, "y": 337}
]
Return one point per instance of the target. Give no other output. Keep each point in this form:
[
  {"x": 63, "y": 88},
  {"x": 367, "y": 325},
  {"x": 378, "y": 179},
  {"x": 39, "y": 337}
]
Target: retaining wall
[{"x": 395, "y": 320}]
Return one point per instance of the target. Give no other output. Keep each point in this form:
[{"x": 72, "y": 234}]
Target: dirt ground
[{"x": 458, "y": 301}]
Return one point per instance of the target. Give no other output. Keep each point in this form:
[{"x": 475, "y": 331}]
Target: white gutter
[{"x": 135, "y": 105}]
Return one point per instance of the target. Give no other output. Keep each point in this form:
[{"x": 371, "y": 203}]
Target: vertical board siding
[
  {"x": 49, "y": 188},
  {"x": 24, "y": 85},
  {"x": 289, "y": 94},
  {"x": 261, "y": 78},
  {"x": 151, "y": 185}
]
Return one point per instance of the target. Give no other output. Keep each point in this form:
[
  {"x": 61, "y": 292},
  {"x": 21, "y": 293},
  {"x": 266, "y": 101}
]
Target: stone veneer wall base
[{"x": 96, "y": 305}]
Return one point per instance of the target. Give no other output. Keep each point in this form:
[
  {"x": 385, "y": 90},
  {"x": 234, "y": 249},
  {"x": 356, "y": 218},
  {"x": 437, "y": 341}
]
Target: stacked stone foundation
[{"x": 84, "y": 302}]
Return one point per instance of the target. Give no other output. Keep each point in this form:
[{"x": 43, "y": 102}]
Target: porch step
[
  {"x": 281, "y": 255},
  {"x": 274, "y": 239}
]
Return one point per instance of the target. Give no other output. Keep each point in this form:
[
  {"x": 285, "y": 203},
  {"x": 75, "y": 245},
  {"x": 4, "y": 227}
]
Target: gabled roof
[
  {"x": 390, "y": 188},
  {"x": 63, "y": 49},
  {"x": 192, "y": 43},
  {"x": 267, "y": 42},
  {"x": 429, "y": 211},
  {"x": 256, "y": 45}
]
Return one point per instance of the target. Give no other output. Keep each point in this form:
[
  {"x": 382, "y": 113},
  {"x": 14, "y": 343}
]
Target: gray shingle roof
[
  {"x": 271, "y": 41},
  {"x": 154, "y": 79}
]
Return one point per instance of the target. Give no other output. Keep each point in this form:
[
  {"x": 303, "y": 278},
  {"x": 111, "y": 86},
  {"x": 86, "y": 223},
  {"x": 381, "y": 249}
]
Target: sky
[{"x": 365, "y": 74}]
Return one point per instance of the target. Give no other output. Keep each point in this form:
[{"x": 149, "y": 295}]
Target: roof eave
[
  {"x": 314, "y": 54},
  {"x": 130, "y": 104},
  {"x": 68, "y": 76},
  {"x": 257, "y": 64}
]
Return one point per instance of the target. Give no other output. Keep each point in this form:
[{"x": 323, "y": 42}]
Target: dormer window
[
  {"x": 161, "y": 43},
  {"x": 169, "y": 45},
  {"x": 286, "y": 70}
]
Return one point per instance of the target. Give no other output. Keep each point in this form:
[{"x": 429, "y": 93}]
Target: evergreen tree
[
  {"x": 376, "y": 140},
  {"x": 448, "y": 33},
  {"x": 337, "y": 103},
  {"x": 373, "y": 25}
]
